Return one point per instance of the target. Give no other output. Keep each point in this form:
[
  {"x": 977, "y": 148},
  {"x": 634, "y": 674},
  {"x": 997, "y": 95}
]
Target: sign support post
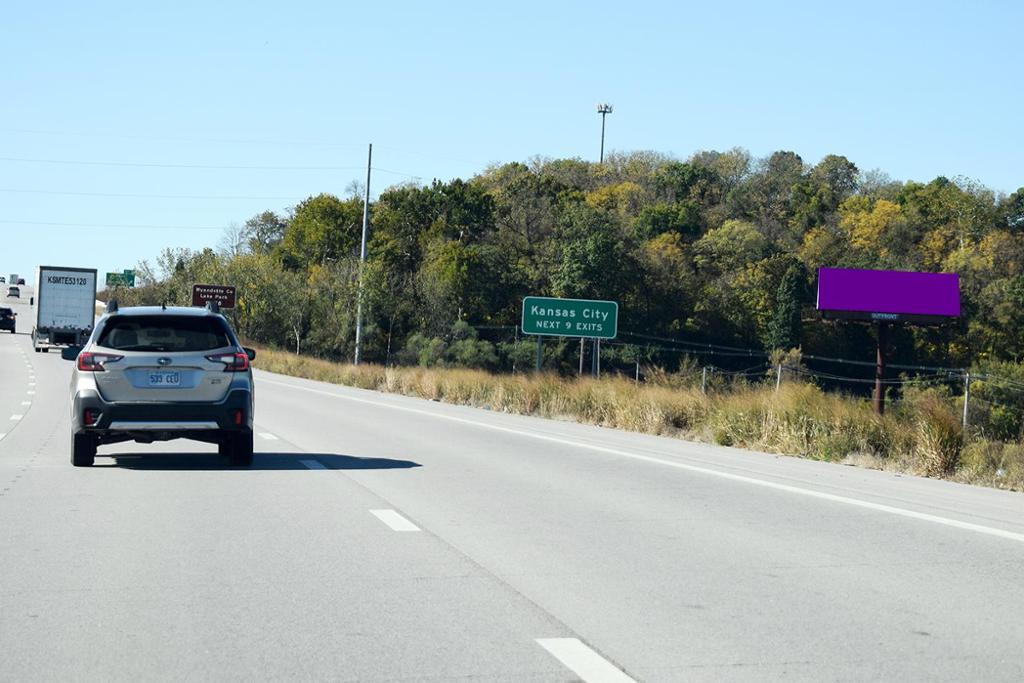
[{"x": 540, "y": 352}]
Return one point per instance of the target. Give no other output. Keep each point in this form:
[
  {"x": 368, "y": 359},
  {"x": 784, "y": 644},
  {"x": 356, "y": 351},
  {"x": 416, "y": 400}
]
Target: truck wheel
[
  {"x": 240, "y": 450},
  {"x": 46, "y": 349},
  {"x": 83, "y": 450},
  {"x": 37, "y": 349}
]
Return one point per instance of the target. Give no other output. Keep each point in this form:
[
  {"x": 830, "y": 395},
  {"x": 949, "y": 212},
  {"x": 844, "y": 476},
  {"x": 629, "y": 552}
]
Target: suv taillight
[
  {"x": 233, "y": 362},
  {"x": 94, "y": 362}
]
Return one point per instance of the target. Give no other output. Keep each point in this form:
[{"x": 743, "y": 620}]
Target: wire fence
[{"x": 994, "y": 401}]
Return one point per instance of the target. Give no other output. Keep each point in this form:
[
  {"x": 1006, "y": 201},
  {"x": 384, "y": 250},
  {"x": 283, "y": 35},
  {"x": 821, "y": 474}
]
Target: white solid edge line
[
  {"x": 31, "y": 393},
  {"x": 394, "y": 520},
  {"x": 268, "y": 436},
  {"x": 26, "y": 403},
  {"x": 17, "y": 417},
  {"x": 879, "y": 507},
  {"x": 583, "y": 661},
  {"x": 2, "y": 435},
  {"x": 314, "y": 464}
]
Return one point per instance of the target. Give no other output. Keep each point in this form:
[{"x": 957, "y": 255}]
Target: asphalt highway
[{"x": 382, "y": 538}]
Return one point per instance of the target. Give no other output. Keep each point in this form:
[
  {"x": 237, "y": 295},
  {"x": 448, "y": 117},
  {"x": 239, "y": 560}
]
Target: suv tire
[
  {"x": 83, "y": 450},
  {"x": 239, "y": 449}
]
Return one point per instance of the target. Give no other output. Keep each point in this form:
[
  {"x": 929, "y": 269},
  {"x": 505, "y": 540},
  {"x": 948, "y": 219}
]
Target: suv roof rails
[{"x": 112, "y": 306}]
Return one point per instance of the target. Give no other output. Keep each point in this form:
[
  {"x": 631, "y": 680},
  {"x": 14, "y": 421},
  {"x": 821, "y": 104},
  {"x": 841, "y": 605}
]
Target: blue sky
[{"x": 444, "y": 89}]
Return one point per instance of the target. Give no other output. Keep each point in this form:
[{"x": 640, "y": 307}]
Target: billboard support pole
[{"x": 883, "y": 329}]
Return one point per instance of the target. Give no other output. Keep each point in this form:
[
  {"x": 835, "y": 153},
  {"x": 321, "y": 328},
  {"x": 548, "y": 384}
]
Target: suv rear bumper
[{"x": 115, "y": 421}]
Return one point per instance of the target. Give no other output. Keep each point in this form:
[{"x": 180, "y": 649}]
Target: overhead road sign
[
  {"x": 888, "y": 295},
  {"x": 552, "y": 317},
  {"x": 222, "y": 295}
]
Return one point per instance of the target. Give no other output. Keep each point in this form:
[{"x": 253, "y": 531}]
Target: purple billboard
[{"x": 888, "y": 294}]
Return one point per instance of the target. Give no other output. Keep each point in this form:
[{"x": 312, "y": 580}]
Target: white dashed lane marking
[
  {"x": 268, "y": 436},
  {"x": 17, "y": 417},
  {"x": 26, "y": 403},
  {"x": 394, "y": 520},
  {"x": 584, "y": 662}
]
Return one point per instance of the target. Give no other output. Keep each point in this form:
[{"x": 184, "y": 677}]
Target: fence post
[
  {"x": 704, "y": 380},
  {"x": 967, "y": 398},
  {"x": 778, "y": 377},
  {"x": 638, "y": 371}
]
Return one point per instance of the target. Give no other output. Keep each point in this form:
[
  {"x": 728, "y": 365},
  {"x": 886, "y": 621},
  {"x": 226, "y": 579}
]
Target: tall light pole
[{"x": 603, "y": 110}]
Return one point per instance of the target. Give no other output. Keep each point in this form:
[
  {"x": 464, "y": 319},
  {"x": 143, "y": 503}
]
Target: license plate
[{"x": 165, "y": 378}]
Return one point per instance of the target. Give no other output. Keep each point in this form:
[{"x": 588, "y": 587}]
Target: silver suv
[{"x": 155, "y": 373}]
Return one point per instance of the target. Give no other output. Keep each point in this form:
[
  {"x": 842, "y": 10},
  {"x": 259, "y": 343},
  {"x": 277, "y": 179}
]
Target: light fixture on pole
[{"x": 603, "y": 110}]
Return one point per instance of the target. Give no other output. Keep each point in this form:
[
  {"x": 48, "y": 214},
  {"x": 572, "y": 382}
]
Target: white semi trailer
[{"x": 65, "y": 306}]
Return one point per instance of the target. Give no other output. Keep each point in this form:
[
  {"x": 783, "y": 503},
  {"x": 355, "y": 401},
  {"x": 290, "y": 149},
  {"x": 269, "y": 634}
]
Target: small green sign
[
  {"x": 570, "y": 317},
  {"x": 124, "y": 279}
]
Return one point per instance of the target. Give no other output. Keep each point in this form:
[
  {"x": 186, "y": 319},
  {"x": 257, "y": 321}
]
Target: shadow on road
[{"x": 262, "y": 461}]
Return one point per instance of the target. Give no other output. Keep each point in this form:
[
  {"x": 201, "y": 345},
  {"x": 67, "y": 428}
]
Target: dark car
[
  {"x": 14, "y": 292},
  {"x": 21, "y": 280},
  {"x": 7, "y": 319}
]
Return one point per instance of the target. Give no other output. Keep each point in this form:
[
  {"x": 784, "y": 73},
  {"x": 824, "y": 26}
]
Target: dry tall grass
[{"x": 922, "y": 435}]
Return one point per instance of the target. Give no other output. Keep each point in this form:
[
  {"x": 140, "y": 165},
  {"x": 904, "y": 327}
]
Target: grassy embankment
[{"x": 921, "y": 435}]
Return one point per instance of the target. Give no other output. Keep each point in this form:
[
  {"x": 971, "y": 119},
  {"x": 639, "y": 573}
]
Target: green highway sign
[
  {"x": 123, "y": 279},
  {"x": 570, "y": 317}
]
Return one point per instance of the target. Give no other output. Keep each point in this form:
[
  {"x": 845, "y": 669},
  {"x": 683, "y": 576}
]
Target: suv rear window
[{"x": 164, "y": 333}]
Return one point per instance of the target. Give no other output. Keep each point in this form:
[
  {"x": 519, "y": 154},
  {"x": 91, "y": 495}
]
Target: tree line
[{"x": 721, "y": 248}]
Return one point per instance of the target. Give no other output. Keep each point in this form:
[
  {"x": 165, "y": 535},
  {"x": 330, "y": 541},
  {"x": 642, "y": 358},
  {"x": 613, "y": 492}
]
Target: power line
[
  {"x": 137, "y": 164},
  {"x": 123, "y": 195},
  {"x": 700, "y": 345},
  {"x": 111, "y": 226},
  {"x": 228, "y": 141},
  {"x": 407, "y": 175}
]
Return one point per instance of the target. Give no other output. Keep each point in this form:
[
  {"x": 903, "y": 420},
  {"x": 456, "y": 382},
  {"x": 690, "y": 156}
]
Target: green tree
[
  {"x": 322, "y": 228},
  {"x": 785, "y": 327}
]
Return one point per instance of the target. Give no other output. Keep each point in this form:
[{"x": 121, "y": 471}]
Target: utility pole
[
  {"x": 362, "y": 257},
  {"x": 603, "y": 110}
]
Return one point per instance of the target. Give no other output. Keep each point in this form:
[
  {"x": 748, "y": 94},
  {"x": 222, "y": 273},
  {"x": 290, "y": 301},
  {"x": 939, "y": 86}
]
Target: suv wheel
[
  {"x": 238, "y": 449},
  {"x": 83, "y": 450}
]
